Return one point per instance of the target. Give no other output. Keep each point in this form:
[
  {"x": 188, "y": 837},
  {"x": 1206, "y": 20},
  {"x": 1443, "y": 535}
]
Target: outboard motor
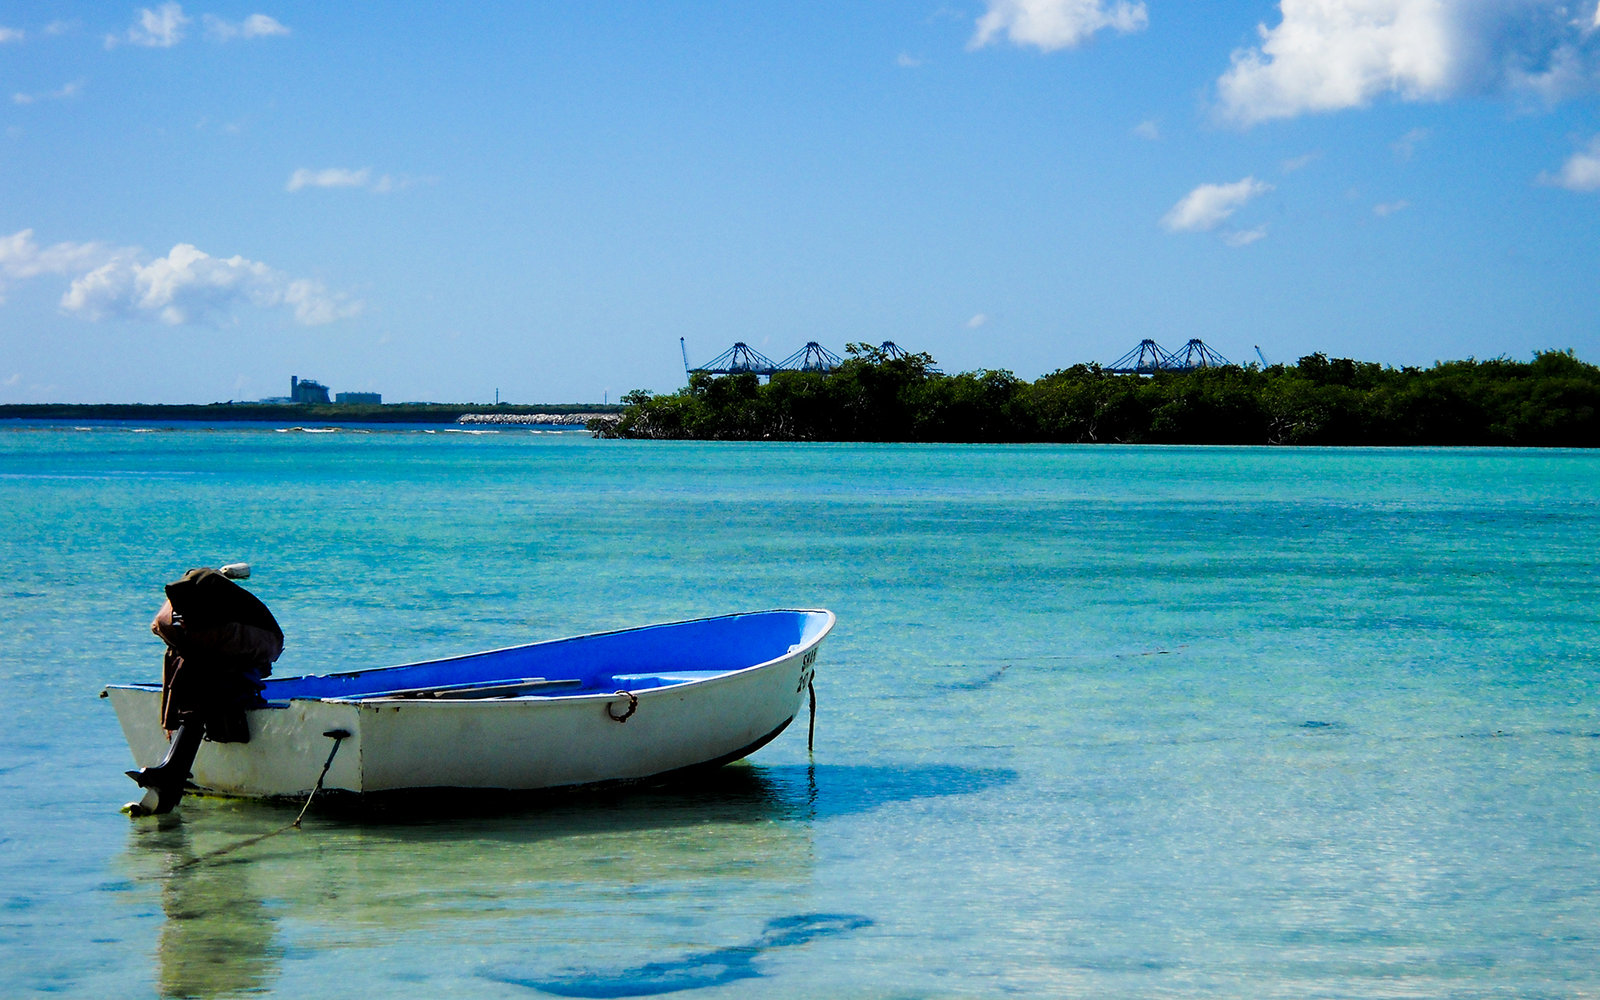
[{"x": 221, "y": 644}]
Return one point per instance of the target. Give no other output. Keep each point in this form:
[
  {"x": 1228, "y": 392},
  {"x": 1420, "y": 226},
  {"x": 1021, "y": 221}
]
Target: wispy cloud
[
  {"x": 1148, "y": 129},
  {"x": 185, "y": 286},
  {"x": 1328, "y": 55},
  {"x": 1055, "y": 24},
  {"x": 254, "y": 26},
  {"x": 160, "y": 28},
  {"x": 906, "y": 60},
  {"x": 1295, "y": 163},
  {"x": 345, "y": 177},
  {"x": 70, "y": 90},
  {"x": 1209, "y": 205},
  {"x": 1581, "y": 172},
  {"x": 1244, "y": 237},
  {"x": 10, "y": 35},
  {"x": 1388, "y": 208},
  {"x": 980, "y": 319},
  {"x": 1405, "y": 147},
  {"x": 220, "y": 128},
  {"x": 165, "y": 26},
  {"x": 388, "y": 183},
  {"x": 331, "y": 177}
]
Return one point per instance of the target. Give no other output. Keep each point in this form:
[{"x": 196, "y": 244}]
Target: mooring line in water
[
  {"x": 338, "y": 736},
  {"x": 811, "y": 731},
  {"x": 219, "y": 852}
]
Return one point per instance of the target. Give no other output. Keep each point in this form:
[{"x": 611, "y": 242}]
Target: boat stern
[{"x": 288, "y": 746}]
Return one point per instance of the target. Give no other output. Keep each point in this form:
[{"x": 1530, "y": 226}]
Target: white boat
[{"x": 632, "y": 705}]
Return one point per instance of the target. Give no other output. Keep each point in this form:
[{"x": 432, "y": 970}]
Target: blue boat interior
[{"x": 634, "y": 660}]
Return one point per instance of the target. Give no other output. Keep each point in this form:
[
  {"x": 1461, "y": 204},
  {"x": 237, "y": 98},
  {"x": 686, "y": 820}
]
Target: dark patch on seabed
[
  {"x": 978, "y": 684},
  {"x": 696, "y": 970}
]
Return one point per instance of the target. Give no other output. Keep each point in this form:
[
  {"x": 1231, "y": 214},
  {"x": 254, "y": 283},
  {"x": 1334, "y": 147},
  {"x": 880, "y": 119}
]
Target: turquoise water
[{"x": 1095, "y": 721}]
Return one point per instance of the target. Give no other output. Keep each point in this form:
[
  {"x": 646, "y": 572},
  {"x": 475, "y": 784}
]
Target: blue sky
[{"x": 432, "y": 202}]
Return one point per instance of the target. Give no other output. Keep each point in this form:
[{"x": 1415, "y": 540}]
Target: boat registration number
[{"x": 807, "y": 670}]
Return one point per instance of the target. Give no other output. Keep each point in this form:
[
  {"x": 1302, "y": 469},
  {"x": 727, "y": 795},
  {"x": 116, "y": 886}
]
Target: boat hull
[{"x": 514, "y": 743}]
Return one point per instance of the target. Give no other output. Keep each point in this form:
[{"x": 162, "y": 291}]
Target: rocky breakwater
[{"x": 539, "y": 419}]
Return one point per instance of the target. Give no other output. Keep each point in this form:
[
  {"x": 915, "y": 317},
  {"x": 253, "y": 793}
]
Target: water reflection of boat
[
  {"x": 599, "y": 879},
  {"x": 230, "y": 895},
  {"x": 219, "y": 938},
  {"x": 615, "y": 706}
]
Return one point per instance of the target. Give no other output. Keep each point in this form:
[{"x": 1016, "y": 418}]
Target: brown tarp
[{"x": 221, "y": 642}]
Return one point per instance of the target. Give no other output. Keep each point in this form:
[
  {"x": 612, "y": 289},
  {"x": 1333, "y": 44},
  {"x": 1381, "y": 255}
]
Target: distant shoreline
[
  {"x": 300, "y": 413},
  {"x": 878, "y": 395}
]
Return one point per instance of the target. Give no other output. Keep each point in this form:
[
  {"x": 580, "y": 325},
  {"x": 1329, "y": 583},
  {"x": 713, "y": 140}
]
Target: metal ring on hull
[{"x": 633, "y": 706}]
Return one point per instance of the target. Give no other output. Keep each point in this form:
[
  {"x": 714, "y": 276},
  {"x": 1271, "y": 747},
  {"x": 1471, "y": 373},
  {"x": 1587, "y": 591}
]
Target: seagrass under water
[{"x": 1095, "y": 721}]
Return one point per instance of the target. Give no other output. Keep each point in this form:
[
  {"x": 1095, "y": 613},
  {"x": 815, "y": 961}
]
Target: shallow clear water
[{"x": 1099, "y": 722}]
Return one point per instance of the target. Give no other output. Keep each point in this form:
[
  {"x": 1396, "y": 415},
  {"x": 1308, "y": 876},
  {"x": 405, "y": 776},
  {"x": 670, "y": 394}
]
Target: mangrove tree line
[{"x": 1553, "y": 400}]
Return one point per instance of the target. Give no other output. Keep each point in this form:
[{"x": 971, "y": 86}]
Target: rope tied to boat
[
  {"x": 633, "y": 706},
  {"x": 338, "y": 736}
]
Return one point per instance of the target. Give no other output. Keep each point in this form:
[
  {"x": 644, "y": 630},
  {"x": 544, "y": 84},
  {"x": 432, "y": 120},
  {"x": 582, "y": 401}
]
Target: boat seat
[
  {"x": 663, "y": 678},
  {"x": 468, "y": 690}
]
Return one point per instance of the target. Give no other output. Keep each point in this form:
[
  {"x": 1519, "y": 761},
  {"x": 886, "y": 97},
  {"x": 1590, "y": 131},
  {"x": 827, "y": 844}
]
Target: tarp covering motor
[{"x": 221, "y": 643}]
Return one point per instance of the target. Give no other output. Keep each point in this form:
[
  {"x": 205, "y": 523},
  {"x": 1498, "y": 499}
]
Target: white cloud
[
  {"x": 11, "y": 35},
  {"x": 186, "y": 286},
  {"x": 976, "y": 321},
  {"x": 329, "y": 178},
  {"x": 906, "y": 60},
  {"x": 189, "y": 285},
  {"x": 254, "y": 26},
  {"x": 1244, "y": 237},
  {"x": 1150, "y": 129},
  {"x": 21, "y": 258},
  {"x": 1209, "y": 205},
  {"x": 1327, "y": 55},
  {"x": 1056, "y": 24},
  {"x": 1388, "y": 208},
  {"x": 72, "y": 89},
  {"x": 1581, "y": 172},
  {"x": 14, "y": 380},
  {"x": 161, "y": 28}
]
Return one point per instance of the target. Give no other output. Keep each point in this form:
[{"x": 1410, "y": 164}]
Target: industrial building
[{"x": 306, "y": 391}]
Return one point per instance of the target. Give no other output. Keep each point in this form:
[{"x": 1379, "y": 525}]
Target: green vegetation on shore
[
  {"x": 300, "y": 413},
  {"x": 1553, "y": 400}
]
